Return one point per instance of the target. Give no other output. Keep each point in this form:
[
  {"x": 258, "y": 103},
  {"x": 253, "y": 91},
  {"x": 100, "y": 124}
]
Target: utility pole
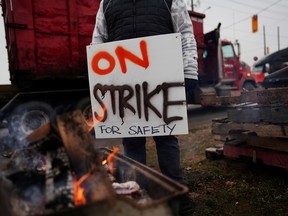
[
  {"x": 264, "y": 36},
  {"x": 278, "y": 35},
  {"x": 192, "y": 5}
]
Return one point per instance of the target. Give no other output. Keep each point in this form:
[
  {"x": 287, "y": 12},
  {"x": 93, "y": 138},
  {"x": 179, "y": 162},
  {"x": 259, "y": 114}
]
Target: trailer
[{"x": 46, "y": 45}]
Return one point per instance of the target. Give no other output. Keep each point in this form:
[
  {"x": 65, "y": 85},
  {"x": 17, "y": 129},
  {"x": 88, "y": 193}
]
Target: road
[{"x": 198, "y": 115}]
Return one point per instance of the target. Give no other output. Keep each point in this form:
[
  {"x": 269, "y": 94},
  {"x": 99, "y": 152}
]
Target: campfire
[{"x": 58, "y": 170}]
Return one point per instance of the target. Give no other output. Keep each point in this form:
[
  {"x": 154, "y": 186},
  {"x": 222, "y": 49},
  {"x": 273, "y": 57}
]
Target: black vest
[{"x": 137, "y": 18}]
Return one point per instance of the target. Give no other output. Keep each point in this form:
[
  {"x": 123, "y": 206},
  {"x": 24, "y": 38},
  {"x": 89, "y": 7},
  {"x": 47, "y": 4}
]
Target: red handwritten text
[{"x": 122, "y": 55}]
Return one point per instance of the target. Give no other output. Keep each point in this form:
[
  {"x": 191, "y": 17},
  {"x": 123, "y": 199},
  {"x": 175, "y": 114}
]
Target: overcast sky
[
  {"x": 4, "y": 75},
  {"x": 235, "y": 17}
]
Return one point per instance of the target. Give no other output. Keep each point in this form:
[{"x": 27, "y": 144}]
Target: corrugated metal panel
[{"x": 47, "y": 38}]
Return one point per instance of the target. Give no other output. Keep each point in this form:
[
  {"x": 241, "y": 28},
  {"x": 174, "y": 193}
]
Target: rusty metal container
[{"x": 163, "y": 191}]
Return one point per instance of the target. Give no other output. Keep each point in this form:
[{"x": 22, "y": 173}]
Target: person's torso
[{"x": 128, "y": 19}]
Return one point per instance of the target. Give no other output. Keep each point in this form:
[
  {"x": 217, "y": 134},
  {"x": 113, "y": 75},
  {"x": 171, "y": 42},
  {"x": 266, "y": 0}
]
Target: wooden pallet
[
  {"x": 259, "y": 113},
  {"x": 225, "y": 126},
  {"x": 256, "y": 155},
  {"x": 269, "y": 136},
  {"x": 256, "y": 127},
  {"x": 259, "y": 96}
]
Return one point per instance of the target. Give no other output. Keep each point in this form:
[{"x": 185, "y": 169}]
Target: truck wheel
[
  {"x": 85, "y": 106},
  {"x": 28, "y": 117},
  {"x": 248, "y": 86}
]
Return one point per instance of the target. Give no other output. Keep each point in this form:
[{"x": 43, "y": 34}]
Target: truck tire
[
  {"x": 248, "y": 86},
  {"x": 28, "y": 117},
  {"x": 85, "y": 106}
]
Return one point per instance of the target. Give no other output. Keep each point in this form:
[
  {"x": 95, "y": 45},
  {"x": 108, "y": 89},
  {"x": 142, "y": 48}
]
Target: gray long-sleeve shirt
[{"x": 181, "y": 24}]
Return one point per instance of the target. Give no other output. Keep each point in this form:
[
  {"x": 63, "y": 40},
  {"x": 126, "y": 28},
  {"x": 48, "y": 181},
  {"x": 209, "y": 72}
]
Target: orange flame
[
  {"x": 110, "y": 160},
  {"x": 90, "y": 127},
  {"x": 104, "y": 162},
  {"x": 79, "y": 197},
  {"x": 89, "y": 119}
]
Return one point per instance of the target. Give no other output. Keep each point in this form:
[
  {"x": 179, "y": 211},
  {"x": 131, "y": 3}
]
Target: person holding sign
[{"x": 126, "y": 19}]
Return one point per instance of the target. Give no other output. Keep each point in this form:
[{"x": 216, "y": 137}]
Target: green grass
[{"x": 226, "y": 187}]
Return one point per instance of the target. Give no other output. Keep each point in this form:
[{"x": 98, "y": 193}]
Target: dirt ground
[{"x": 225, "y": 186}]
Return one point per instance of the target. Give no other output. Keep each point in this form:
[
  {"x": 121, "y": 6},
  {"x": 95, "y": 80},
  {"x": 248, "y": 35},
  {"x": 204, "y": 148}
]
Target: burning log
[{"x": 85, "y": 160}]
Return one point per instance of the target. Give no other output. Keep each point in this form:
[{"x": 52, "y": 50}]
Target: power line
[
  {"x": 221, "y": 6},
  {"x": 252, "y": 6},
  {"x": 241, "y": 3},
  {"x": 262, "y": 10},
  {"x": 248, "y": 6},
  {"x": 269, "y": 35},
  {"x": 239, "y": 11}
]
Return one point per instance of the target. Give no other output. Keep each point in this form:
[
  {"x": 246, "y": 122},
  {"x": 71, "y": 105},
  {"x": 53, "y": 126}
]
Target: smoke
[{"x": 27, "y": 160}]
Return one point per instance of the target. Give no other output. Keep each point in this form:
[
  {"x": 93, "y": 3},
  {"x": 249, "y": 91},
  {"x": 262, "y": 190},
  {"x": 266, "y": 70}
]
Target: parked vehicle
[
  {"x": 258, "y": 74},
  {"x": 269, "y": 64},
  {"x": 277, "y": 79},
  {"x": 273, "y": 62}
]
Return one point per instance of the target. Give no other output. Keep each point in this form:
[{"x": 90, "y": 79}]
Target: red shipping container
[{"x": 48, "y": 38}]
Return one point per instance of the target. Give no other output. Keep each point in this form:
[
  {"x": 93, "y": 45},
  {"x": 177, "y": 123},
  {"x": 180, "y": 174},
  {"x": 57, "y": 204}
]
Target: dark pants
[{"x": 167, "y": 151}]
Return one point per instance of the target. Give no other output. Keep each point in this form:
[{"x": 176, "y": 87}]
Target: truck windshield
[
  {"x": 257, "y": 69},
  {"x": 227, "y": 51}
]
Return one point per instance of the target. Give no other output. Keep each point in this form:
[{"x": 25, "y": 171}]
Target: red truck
[
  {"x": 220, "y": 69},
  {"x": 46, "y": 45}
]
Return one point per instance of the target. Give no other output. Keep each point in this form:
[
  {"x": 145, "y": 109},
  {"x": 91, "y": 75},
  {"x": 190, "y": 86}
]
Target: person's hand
[{"x": 190, "y": 84}]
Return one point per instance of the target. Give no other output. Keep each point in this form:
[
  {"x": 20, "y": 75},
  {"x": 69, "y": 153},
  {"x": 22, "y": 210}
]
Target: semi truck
[
  {"x": 46, "y": 46},
  {"x": 219, "y": 64}
]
